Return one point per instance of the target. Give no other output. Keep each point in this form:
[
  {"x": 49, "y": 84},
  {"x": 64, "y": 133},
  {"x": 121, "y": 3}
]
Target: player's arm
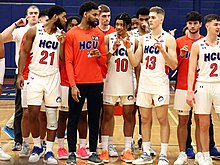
[
  {"x": 136, "y": 58},
  {"x": 137, "y": 69},
  {"x": 69, "y": 53},
  {"x": 2, "y": 63},
  {"x": 191, "y": 74},
  {"x": 170, "y": 53},
  {"x": 7, "y": 33},
  {"x": 61, "y": 38},
  {"x": 26, "y": 48}
]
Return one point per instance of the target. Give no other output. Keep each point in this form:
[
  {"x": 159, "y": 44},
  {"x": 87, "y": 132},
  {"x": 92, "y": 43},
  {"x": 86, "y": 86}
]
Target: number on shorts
[
  {"x": 121, "y": 65},
  {"x": 214, "y": 67},
  {"x": 151, "y": 62},
  {"x": 45, "y": 55}
]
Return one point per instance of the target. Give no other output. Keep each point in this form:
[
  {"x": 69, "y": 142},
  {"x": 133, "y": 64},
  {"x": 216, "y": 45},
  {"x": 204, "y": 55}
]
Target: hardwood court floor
[{"x": 7, "y": 109}]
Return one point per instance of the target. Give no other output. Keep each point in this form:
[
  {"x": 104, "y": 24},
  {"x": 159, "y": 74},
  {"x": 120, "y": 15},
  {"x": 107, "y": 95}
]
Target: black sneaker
[
  {"x": 71, "y": 159},
  {"x": 94, "y": 159},
  {"x": 16, "y": 147}
]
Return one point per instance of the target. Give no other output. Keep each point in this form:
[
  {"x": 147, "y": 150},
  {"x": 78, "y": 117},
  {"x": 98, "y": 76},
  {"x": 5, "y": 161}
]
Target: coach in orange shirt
[{"x": 84, "y": 55}]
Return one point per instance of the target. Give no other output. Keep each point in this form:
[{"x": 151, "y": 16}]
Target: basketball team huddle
[{"x": 93, "y": 66}]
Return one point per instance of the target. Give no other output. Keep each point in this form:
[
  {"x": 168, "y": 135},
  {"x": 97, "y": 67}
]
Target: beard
[
  {"x": 92, "y": 23},
  {"x": 58, "y": 24},
  {"x": 193, "y": 32}
]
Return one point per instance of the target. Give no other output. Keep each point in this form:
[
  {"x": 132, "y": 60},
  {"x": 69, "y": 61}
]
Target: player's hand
[
  {"x": 22, "y": 21},
  {"x": 95, "y": 53},
  {"x": 172, "y": 32},
  {"x": 0, "y": 89},
  {"x": 146, "y": 27},
  {"x": 20, "y": 81},
  {"x": 75, "y": 93},
  {"x": 62, "y": 37},
  {"x": 190, "y": 99},
  {"x": 116, "y": 44},
  {"x": 126, "y": 41},
  {"x": 158, "y": 45},
  {"x": 184, "y": 50}
]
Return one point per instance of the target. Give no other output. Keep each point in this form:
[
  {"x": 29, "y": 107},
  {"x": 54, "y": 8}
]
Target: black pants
[
  {"x": 94, "y": 99},
  {"x": 18, "y": 114},
  {"x": 211, "y": 133}
]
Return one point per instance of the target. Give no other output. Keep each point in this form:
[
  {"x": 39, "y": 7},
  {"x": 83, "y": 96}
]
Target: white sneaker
[
  {"x": 182, "y": 159},
  {"x": 199, "y": 158},
  {"x": 207, "y": 161},
  {"x": 112, "y": 151},
  {"x": 37, "y": 152},
  {"x": 163, "y": 160},
  {"x": 49, "y": 158},
  {"x": 143, "y": 159},
  {"x": 25, "y": 150},
  {"x": 3, "y": 155}
]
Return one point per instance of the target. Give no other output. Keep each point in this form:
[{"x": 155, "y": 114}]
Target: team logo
[
  {"x": 130, "y": 97},
  {"x": 58, "y": 100},
  {"x": 95, "y": 38},
  {"x": 160, "y": 98}
]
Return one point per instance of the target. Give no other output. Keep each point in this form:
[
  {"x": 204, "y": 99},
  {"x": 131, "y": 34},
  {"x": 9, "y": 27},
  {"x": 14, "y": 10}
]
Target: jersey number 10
[{"x": 121, "y": 65}]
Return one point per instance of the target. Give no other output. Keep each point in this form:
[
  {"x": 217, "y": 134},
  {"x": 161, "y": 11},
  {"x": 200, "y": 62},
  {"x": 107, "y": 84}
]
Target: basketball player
[
  {"x": 84, "y": 56},
  {"x": 46, "y": 42},
  {"x": 3, "y": 155},
  {"x": 193, "y": 23},
  {"x": 134, "y": 22},
  {"x": 72, "y": 21},
  {"x": 142, "y": 15},
  {"x": 25, "y": 151},
  {"x": 63, "y": 110},
  {"x": 156, "y": 49},
  {"x": 105, "y": 28},
  {"x": 15, "y": 34},
  {"x": 119, "y": 68},
  {"x": 204, "y": 55}
]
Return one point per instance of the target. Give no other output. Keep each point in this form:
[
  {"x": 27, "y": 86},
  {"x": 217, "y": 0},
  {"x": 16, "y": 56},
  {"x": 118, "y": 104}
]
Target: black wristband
[{"x": 15, "y": 24}]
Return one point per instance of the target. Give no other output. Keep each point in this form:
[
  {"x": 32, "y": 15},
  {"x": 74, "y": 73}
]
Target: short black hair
[
  {"x": 43, "y": 13},
  {"x": 87, "y": 6},
  {"x": 56, "y": 9},
  {"x": 210, "y": 17},
  {"x": 69, "y": 19},
  {"x": 193, "y": 16},
  {"x": 142, "y": 11},
  {"x": 125, "y": 18},
  {"x": 134, "y": 16}
]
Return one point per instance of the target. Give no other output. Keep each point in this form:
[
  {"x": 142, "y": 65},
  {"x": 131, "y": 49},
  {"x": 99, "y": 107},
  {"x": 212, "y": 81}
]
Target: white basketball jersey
[
  {"x": 153, "y": 77},
  {"x": 45, "y": 52},
  {"x": 209, "y": 61},
  {"x": 135, "y": 33},
  {"x": 119, "y": 80}
]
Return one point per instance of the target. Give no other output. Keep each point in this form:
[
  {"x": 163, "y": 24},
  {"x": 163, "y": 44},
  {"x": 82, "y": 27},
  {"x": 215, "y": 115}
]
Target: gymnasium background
[{"x": 10, "y": 11}]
